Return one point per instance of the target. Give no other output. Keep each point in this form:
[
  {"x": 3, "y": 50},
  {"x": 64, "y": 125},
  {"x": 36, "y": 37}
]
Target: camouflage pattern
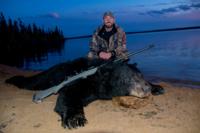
[{"x": 117, "y": 43}]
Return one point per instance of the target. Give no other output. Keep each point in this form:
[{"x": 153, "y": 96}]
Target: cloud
[
  {"x": 169, "y": 10},
  {"x": 54, "y": 15},
  {"x": 51, "y": 15},
  {"x": 163, "y": 11},
  {"x": 184, "y": 7},
  {"x": 197, "y": 6},
  {"x": 175, "y": 9}
]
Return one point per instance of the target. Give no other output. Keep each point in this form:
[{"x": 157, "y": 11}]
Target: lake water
[{"x": 176, "y": 54}]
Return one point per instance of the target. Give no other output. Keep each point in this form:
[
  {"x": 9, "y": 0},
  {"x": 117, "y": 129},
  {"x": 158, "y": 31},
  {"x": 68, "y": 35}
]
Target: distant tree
[{"x": 20, "y": 42}]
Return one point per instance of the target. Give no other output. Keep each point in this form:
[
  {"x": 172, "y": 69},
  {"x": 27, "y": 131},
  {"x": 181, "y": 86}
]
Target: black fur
[
  {"x": 52, "y": 76},
  {"x": 109, "y": 81}
]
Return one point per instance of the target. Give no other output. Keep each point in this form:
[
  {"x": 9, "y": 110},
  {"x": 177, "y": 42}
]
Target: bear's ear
[{"x": 135, "y": 64}]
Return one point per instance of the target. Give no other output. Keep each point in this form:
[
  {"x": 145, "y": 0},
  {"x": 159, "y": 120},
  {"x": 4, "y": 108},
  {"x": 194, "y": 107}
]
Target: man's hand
[{"x": 105, "y": 55}]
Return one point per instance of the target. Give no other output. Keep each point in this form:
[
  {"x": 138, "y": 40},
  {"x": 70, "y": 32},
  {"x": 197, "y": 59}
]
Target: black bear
[{"x": 114, "y": 79}]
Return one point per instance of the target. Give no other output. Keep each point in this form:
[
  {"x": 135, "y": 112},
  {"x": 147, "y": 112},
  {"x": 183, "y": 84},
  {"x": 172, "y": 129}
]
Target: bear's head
[{"x": 123, "y": 80}]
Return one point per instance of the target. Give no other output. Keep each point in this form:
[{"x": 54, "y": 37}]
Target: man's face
[{"x": 108, "y": 21}]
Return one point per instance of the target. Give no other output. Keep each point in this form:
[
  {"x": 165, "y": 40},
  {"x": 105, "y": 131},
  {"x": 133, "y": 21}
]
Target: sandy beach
[{"x": 177, "y": 111}]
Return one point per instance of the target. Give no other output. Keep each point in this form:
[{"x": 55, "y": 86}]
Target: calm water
[{"x": 176, "y": 54}]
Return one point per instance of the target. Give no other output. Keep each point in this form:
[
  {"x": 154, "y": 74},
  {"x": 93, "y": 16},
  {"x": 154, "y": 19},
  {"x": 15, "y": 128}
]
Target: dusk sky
[
  {"x": 177, "y": 52},
  {"x": 78, "y": 17}
]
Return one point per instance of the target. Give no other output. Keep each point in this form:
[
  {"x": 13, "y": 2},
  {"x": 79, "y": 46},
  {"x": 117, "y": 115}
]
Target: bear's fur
[{"x": 112, "y": 80}]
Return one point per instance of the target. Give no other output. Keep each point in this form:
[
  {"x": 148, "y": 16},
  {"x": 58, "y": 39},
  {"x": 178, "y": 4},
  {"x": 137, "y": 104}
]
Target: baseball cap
[{"x": 108, "y": 13}]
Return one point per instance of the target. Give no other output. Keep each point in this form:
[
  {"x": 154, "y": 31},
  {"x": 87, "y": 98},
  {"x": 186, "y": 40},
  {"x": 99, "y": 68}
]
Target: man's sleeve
[
  {"x": 121, "y": 50},
  {"x": 93, "y": 53},
  {"x": 124, "y": 42}
]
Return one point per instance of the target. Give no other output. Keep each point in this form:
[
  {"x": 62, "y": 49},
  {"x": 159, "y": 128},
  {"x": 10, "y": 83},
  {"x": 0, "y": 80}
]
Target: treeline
[{"x": 20, "y": 43}]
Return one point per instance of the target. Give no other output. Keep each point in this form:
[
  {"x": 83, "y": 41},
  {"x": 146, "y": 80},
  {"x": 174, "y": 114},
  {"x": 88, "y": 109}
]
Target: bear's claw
[{"x": 74, "y": 122}]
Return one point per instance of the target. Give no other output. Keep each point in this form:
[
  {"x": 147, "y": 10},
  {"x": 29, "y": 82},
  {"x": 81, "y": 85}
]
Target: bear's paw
[{"x": 78, "y": 120}]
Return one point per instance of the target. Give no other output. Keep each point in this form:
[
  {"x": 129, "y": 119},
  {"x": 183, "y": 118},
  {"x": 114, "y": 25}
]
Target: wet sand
[{"x": 177, "y": 111}]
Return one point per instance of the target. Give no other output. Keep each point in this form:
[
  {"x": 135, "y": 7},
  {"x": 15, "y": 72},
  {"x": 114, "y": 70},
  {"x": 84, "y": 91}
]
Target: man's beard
[{"x": 109, "y": 26}]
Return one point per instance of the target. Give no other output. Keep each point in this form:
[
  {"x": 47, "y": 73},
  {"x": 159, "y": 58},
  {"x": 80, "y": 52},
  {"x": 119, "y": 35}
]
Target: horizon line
[{"x": 140, "y": 32}]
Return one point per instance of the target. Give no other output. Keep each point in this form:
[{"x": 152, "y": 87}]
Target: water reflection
[{"x": 176, "y": 54}]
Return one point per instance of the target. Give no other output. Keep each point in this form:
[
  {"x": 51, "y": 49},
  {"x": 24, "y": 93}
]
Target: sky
[{"x": 78, "y": 17}]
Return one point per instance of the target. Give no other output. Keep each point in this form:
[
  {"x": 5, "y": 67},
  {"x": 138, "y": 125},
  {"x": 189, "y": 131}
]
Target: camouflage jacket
[{"x": 116, "y": 43}]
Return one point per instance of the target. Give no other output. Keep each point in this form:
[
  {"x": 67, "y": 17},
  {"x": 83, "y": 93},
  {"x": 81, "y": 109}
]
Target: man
[{"x": 109, "y": 40}]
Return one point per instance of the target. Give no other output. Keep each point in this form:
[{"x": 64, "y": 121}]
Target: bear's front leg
[
  {"x": 73, "y": 118},
  {"x": 70, "y": 108},
  {"x": 157, "y": 89}
]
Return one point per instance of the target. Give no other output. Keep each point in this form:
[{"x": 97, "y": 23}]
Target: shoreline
[{"x": 175, "y": 82}]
